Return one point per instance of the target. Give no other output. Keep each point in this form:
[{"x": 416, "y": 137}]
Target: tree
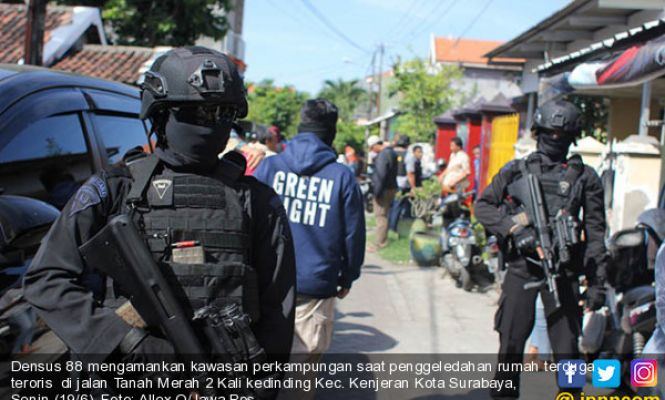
[
  {"x": 425, "y": 92},
  {"x": 347, "y": 96},
  {"x": 271, "y": 105},
  {"x": 594, "y": 115},
  {"x": 161, "y": 23}
]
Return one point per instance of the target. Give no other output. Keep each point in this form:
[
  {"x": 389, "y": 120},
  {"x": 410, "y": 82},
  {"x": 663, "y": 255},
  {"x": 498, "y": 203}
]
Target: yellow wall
[{"x": 504, "y": 137}]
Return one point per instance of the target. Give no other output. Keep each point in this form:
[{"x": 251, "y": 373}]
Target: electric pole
[
  {"x": 34, "y": 32},
  {"x": 371, "y": 88},
  {"x": 378, "y": 96}
]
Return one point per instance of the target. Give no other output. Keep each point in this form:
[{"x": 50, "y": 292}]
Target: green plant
[
  {"x": 424, "y": 92},
  {"x": 161, "y": 23},
  {"x": 279, "y": 106}
]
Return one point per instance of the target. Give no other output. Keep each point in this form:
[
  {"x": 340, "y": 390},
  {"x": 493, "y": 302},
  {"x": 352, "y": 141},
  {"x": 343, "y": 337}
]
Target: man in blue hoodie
[{"x": 325, "y": 209}]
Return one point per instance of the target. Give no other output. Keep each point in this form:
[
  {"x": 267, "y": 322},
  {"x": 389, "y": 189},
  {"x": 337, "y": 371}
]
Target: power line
[
  {"x": 399, "y": 26},
  {"x": 408, "y": 31},
  {"x": 473, "y": 22},
  {"x": 332, "y": 27},
  {"x": 295, "y": 18},
  {"x": 417, "y": 31}
]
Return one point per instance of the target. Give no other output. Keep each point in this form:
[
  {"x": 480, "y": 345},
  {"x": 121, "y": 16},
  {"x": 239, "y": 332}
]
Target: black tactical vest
[
  {"x": 198, "y": 229},
  {"x": 559, "y": 182}
]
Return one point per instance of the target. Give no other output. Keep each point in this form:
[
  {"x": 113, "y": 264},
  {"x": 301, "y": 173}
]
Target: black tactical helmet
[
  {"x": 558, "y": 115},
  {"x": 190, "y": 75}
]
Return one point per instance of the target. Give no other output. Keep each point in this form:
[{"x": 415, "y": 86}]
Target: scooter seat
[{"x": 639, "y": 295}]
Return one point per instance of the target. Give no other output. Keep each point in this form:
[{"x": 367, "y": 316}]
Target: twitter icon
[{"x": 607, "y": 373}]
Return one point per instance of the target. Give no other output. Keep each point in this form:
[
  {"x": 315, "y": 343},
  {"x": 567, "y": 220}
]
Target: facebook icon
[{"x": 571, "y": 374}]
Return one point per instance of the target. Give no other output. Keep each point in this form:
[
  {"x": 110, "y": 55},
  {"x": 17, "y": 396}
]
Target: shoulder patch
[{"x": 91, "y": 193}]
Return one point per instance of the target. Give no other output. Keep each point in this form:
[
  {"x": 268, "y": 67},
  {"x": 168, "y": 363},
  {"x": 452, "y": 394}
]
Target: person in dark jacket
[
  {"x": 569, "y": 188},
  {"x": 233, "y": 225},
  {"x": 325, "y": 209},
  {"x": 384, "y": 185}
]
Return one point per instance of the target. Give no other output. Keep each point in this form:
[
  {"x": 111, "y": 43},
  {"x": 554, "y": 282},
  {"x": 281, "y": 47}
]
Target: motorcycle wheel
[
  {"x": 499, "y": 271},
  {"x": 465, "y": 279},
  {"x": 453, "y": 266}
]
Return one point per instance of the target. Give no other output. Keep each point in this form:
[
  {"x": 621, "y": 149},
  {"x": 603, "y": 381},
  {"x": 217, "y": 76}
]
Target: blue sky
[{"x": 285, "y": 42}]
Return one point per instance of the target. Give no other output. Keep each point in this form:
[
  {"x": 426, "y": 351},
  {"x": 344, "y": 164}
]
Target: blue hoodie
[{"x": 325, "y": 209}]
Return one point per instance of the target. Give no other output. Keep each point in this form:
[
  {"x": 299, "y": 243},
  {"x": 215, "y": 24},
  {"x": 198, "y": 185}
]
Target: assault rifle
[
  {"x": 555, "y": 251},
  {"x": 119, "y": 251}
]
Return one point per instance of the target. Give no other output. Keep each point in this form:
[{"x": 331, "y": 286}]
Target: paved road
[{"x": 406, "y": 309}]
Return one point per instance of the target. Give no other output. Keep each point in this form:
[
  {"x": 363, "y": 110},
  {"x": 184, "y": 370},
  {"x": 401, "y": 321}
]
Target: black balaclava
[
  {"x": 190, "y": 146},
  {"x": 555, "y": 148},
  {"x": 320, "y": 118}
]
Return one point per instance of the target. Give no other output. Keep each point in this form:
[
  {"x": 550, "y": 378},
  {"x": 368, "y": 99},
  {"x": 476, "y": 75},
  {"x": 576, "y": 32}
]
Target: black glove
[
  {"x": 595, "y": 297},
  {"x": 146, "y": 348},
  {"x": 525, "y": 240}
]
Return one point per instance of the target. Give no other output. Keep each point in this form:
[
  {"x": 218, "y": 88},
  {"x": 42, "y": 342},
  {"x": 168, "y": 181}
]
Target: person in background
[
  {"x": 401, "y": 150},
  {"x": 414, "y": 169},
  {"x": 327, "y": 221},
  {"x": 267, "y": 142},
  {"x": 351, "y": 158},
  {"x": 384, "y": 186},
  {"x": 455, "y": 177},
  {"x": 401, "y": 207},
  {"x": 252, "y": 155},
  {"x": 476, "y": 167},
  {"x": 261, "y": 141}
]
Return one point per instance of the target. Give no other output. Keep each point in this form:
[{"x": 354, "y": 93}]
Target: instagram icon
[{"x": 643, "y": 373}]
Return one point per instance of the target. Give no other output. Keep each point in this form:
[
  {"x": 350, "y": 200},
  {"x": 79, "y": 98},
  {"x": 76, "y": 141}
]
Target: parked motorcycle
[
  {"x": 470, "y": 258},
  {"x": 621, "y": 328}
]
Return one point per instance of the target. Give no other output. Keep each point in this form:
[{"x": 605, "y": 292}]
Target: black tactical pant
[{"x": 515, "y": 317}]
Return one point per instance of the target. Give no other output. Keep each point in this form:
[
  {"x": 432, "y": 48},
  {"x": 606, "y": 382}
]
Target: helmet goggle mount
[
  {"x": 208, "y": 78},
  {"x": 558, "y": 121},
  {"x": 155, "y": 83}
]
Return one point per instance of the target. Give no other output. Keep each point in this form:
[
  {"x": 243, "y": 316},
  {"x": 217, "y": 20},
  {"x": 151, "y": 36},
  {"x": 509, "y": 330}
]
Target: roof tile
[
  {"x": 464, "y": 50},
  {"x": 117, "y": 63}
]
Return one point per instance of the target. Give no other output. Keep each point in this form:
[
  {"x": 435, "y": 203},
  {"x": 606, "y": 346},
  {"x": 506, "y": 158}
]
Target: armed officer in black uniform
[
  {"x": 568, "y": 187},
  {"x": 224, "y": 237}
]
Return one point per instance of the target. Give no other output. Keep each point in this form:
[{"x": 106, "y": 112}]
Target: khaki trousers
[
  {"x": 312, "y": 337},
  {"x": 381, "y": 211}
]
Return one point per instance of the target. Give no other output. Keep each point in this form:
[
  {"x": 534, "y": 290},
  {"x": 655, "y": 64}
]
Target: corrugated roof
[
  {"x": 117, "y": 63},
  {"x": 13, "y": 19}
]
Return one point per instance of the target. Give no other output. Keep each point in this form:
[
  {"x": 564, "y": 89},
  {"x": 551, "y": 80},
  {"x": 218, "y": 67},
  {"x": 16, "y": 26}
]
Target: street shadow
[
  {"x": 371, "y": 266},
  {"x": 360, "y": 314},
  {"x": 351, "y": 337}
]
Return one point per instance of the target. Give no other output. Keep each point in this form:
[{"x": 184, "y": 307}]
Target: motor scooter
[
  {"x": 470, "y": 258},
  {"x": 621, "y": 328}
]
